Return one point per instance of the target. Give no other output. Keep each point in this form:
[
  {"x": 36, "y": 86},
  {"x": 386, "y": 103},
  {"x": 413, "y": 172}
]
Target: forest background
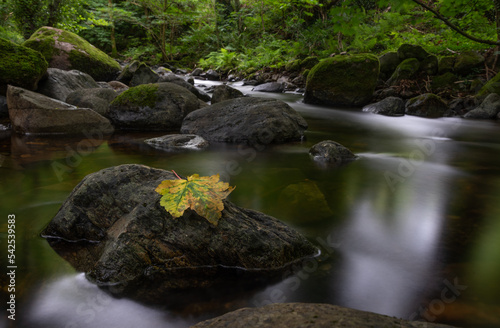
[{"x": 251, "y": 35}]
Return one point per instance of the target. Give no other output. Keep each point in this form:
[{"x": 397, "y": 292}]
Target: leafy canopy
[{"x": 204, "y": 195}]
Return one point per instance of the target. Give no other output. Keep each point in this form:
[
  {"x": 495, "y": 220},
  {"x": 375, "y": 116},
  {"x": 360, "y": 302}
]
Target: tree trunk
[
  {"x": 114, "y": 52},
  {"x": 54, "y": 8}
]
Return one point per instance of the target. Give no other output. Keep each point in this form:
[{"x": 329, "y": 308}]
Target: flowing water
[{"x": 411, "y": 229}]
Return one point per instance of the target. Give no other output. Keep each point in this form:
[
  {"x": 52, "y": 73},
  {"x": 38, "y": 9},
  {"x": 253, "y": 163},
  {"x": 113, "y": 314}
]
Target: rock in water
[
  {"x": 33, "y": 113},
  {"x": 331, "y": 153},
  {"x": 300, "y": 315},
  {"x": 113, "y": 227},
  {"x": 247, "y": 120}
]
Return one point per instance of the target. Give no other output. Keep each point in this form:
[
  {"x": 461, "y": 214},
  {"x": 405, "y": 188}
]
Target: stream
[{"x": 411, "y": 229}]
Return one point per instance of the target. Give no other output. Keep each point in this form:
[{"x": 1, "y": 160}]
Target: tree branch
[{"x": 454, "y": 27}]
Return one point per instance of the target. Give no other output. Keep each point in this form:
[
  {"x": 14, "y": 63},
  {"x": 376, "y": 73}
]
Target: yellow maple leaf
[{"x": 201, "y": 194}]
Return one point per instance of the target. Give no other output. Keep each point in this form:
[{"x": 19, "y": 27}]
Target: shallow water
[{"x": 411, "y": 229}]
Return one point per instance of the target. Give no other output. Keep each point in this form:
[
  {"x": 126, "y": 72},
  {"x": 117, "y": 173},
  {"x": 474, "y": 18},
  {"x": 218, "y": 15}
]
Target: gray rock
[
  {"x": 197, "y": 72},
  {"x": 127, "y": 73},
  {"x": 247, "y": 120},
  {"x": 176, "y": 142},
  {"x": 426, "y": 105},
  {"x": 4, "y": 110},
  {"x": 301, "y": 315},
  {"x": 331, "y": 153},
  {"x": 113, "y": 227},
  {"x": 488, "y": 109},
  {"x": 159, "y": 106},
  {"x": 275, "y": 87},
  {"x": 143, "y": 75},
  {"x": 59, "y": 83},
  {"x": 212, "y": 75},
  {"x": 33, "y": 113},
  {"x": 96, "y": 99},
  {"x": 390, "y": 106},
  {"x": 172, "y": 78},
  {"x": 118, "y": 86},
  {"x": 225, "y": 92}
]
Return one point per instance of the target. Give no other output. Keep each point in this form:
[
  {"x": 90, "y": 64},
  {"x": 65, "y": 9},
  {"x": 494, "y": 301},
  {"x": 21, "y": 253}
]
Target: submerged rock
[
  {"x": 300, "y": 315},
  {"x": 331, "y": 153},
  {"x": 33, "y": 113},
  {"x": 390, "y": 106},
  {"x": 174, "y": 142},
  {"x": 247, "y": 120},
  {"x": 113, "y": 227}
]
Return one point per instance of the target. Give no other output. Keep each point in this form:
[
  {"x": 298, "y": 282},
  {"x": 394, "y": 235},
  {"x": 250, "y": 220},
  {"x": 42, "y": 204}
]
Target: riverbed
[{"x": 410, "y": 229}]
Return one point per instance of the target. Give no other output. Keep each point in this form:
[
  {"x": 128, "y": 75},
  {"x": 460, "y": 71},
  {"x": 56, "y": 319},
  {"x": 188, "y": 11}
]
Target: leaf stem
[{"x": 178, "y": 177}]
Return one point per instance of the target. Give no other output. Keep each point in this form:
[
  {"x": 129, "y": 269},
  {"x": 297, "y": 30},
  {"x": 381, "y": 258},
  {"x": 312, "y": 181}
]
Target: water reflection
[{"x": 72, "y": 301}]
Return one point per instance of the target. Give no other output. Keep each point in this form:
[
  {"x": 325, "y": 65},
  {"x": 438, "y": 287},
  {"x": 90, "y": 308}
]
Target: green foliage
[{"x": 204, "y": 195}]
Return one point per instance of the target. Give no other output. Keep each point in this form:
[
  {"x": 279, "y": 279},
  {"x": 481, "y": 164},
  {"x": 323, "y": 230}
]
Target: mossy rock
[
  {"x": 468, "y": 62},
  {"x": 444, "y": 81},
  {"x": 407, "y": 51},
  {"x": 20, "y": 66},
  {"x": 492, "y": 86},
  {"x": 388, "y": 63},
  {"x": 343, "y": 80},
  {"x": 406, "y": 70},
  {"x": 66, "y": 50},
  {"x": 429, "y": 65},
  {"x": 309, "y": 62},
  {"x": 293, "y": 66},
  {"x": 426, "y": 105},
  {"x": 446, "y": 64}
]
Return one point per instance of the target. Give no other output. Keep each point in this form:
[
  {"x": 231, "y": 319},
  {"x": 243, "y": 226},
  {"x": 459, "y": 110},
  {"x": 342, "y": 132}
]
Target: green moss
[
  {"x": 309, "y": 62},
  {"x": 444, "y": 81},
  {"x": 352, "y": 78},
  {"x": 82, "y": 55},
  {"x": 20, "y": 66},
  {"x": 405, "y": 71},
  {"x": 492, "y": 86},
  {"x": 142, "y": 95}
]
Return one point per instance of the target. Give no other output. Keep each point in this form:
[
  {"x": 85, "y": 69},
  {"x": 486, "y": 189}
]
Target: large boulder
[
  {"x": 157, "y": 106},
  {"x": 343, "y": 80},
  {"x": 60, "y": 83},
  {"x": 20, "y": 66},
  {"x": 33, "y": 113},
  {"x": 301, "y": 315},
  {"x": 224, "y": 92},
  {"x": 390, "y": 106},
  {"x": 426, "y": 105},
  {"x": 97, "y": 99},
  {"x": 67, "y": 51},
  {"x": 468, "y": 62},
  {"x": 488, "y": 109},
  {"x": 247, "y": 120},
  {"x": 113, "y": 227}
]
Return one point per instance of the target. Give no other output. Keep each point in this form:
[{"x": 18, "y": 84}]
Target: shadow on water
[{"x": 410, "y": 229}]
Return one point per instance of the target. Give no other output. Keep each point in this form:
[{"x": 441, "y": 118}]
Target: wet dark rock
[
  {"x": 225, "y": 92},
  {"x": 176, "y": 142},
  {"x": 197, "y": 72},
  {"x": 275, "y": 87},
  {"x": 113, "y": 227},
  {"x": 212, "y": 75},
  {"x": 33, "y": 113},
  {"x": 426, "y": 105},
  {"x": 172, "y": 78},
  {"x": 406, "y": 51},
  {"x": 59, "y": 83},
  {"x": 246, "y": 120},
  {"x": 388, "y": 63},
  {"x": 468, "y": 62},
  {"x": 96, "y": 99},
  {"x": 429, "y": 65},
  {"x": 143, "y": 75},
  {"x": 390, "y": 106},
  {"x": 331, "y": 153},
  {"x": 300, "y": 315},
  {"x": 128, "y": 71},
  {"x": 157, "y": 106},
  {"x": 460, "y": 106},
  {"x": 488, "y": 109},
  {"x": 4, "y": 110},
  {"x": 406, "y": 70}
]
